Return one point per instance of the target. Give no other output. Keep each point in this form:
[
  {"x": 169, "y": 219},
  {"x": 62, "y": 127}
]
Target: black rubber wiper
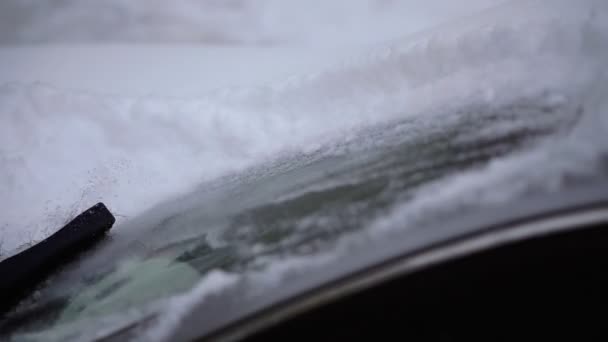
[{"x": 20, "y": 273}]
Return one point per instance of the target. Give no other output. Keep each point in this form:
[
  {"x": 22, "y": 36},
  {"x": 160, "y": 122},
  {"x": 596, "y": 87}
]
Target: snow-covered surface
[
  {"x": 184, "y": 71},
  {"x": 61, "y": 150},
  {"x": 78, "y": 124},
  {"x": 558, "y": 48}
]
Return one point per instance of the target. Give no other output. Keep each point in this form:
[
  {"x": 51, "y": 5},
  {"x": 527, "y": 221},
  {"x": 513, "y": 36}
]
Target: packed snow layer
[
  {"x": 222, "y": 22},
  {"x": 61, "y": 151}
]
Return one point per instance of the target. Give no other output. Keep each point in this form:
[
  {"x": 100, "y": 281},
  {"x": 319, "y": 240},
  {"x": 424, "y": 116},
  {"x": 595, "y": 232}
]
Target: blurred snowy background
[{"x": 249, "y": 22}]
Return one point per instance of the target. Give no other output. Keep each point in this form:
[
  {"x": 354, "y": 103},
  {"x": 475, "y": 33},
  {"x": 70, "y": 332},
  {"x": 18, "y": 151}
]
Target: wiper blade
[{"x": 20, "y": 273}]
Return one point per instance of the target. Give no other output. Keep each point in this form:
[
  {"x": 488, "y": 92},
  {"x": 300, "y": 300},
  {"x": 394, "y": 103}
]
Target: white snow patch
[
  {"x": 181, "y": 305},
  {"x": 62, "y": 151}
]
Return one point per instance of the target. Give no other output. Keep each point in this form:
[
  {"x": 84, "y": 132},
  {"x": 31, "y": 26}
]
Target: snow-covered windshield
[{"x": 245, "y": 141}]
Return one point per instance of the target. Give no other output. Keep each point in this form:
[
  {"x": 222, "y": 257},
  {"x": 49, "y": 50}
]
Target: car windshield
[{"x": 260, "y": 150}]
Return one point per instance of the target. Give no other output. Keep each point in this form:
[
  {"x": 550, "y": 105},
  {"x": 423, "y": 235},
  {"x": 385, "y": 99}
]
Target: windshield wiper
[{"x": 22, "y": 272}]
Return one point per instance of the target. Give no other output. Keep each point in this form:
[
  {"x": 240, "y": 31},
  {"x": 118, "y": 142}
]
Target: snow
[
  {"x": 184, "y": 71},
  {"x": 512, "y": 52},
  {"x": 77, "y": 140},
  {"x": 242, "y": 22},
  {"x": 181, "y": 305},
  {"x": 133, "y": 126}
]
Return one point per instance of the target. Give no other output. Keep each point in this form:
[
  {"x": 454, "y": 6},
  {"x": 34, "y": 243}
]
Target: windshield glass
[{"x": 258, "y": 176}]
